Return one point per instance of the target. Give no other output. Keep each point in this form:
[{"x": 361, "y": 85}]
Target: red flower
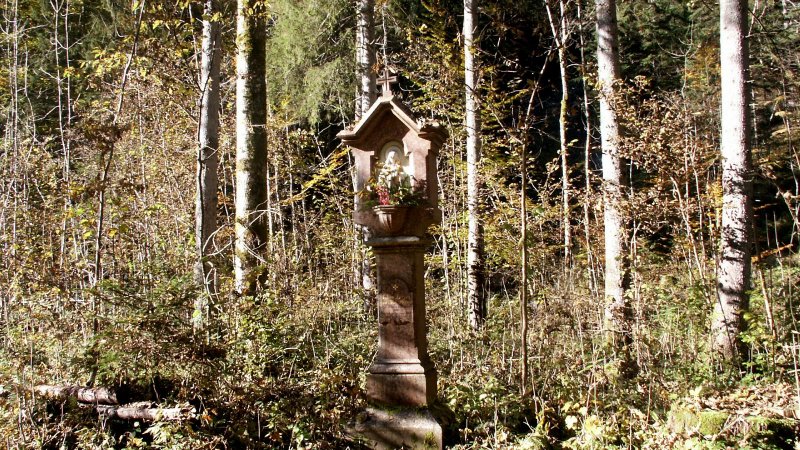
[{"x": 383, "y": 195}]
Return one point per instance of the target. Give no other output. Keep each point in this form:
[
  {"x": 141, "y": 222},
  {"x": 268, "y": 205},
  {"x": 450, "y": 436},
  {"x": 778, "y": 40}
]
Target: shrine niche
[{"x": 387, "y": 129}]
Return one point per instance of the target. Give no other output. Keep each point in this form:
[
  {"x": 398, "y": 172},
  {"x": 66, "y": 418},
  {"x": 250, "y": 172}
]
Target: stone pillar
[
  {"x": 402, "y": 373},
  {"x": 402, "y": 376}
]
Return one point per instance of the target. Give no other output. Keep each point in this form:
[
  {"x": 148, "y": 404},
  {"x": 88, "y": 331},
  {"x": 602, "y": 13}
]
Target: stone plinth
[
  {"x": 402, "y": 373},
  {"x": 402, "y": 428}
]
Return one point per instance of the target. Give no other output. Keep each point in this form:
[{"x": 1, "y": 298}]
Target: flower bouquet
[{"x": 391, "y": 192}]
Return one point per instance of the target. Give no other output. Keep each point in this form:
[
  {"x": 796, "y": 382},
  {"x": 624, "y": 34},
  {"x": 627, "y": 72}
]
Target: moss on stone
[
  {"x": 684, "y": 420},
  {"x": 712, "y": 422},
  {"x": 755, "y": 431}
]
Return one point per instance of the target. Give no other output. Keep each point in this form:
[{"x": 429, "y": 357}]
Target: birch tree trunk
[
  {"x": 733, "y": 269},
  {"x": 476, "y": 296},
  {"x": 562, "y": 129},
  {"x": 617, "y": 276},
  {"x": 365, "y": 61},
  {"x": 587, "y": 150},
  {"x": 365, "y": 57},
  {"x": 251, "y": 145},
  {"x": 207, "y": 161},
  {"x": 523, "y": 292}
]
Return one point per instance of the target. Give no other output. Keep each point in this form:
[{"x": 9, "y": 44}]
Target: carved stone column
[{"x": 402, "y": 373}]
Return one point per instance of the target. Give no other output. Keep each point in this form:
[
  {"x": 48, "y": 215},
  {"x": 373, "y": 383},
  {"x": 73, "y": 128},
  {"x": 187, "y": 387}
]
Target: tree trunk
[
  {"x": 251, "y": 145},
  {"x": 207, "y": 162},
  {"x": 365, "y": 57},
  {"x": 96, "y": 395},
  {"x": 733, "y": 269},
  {"x": 560, "y": 35},
  {"x": 523, "y": 291},
  {"x": 106, "y": 159},
  {"x": 476, "y": 295},
  {"x": 365, "y": 60},
  {"x": 134, "y": 412},
  {"x": 617, "y": 276},
  {"x": 587, "y": 170}
]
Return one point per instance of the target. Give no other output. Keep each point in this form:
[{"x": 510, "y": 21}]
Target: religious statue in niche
[
  {"x": 393, "y": 183},
  {"x": 394, "y": 171}
]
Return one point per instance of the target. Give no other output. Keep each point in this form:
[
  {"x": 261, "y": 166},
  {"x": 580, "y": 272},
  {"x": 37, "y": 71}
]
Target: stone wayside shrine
[{"x": 396, "y": 183}]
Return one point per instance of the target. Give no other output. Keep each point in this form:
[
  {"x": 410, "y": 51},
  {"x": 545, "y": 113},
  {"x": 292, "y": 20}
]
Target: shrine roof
[{"x": 397, "y": 108}]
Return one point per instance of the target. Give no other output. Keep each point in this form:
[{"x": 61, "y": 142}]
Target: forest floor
[{"x": 278, "y": 374}]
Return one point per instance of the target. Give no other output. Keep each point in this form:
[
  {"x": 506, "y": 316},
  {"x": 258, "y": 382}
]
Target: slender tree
[
  {"x": 251, "y": 144},
  {"x": 207, "y": 159},
  {"x": 365, "y": 57},
  {"x": 523, "y": 291},
  {"x": 476, "y": 296},
  {"x": 617, "y": 277},
  {"x": 560, "y": 36},
  {"x": 365, "y": 68},
  {"x": 587, "y": 150},
  {"x": 733, "y": 269}
]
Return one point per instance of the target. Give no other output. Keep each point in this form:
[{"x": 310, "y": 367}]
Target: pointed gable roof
[{"x": 391, "y": 105}]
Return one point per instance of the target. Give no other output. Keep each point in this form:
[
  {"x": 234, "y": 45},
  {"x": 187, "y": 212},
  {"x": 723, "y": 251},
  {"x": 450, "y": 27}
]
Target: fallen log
[
  {"x": 96, "y": 395},
  {"x": 107, "y": 403},
  {"x": 144, "y": 412}
]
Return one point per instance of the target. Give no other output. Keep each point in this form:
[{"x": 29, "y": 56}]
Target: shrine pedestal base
[
  {"x": 401, "y": 382},
  {"x": 409, "y": 428},
  {"x": 416, "y": 388}
]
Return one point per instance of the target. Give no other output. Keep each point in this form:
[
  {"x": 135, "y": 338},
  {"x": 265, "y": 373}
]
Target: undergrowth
[{"x": 274, "y": 373}]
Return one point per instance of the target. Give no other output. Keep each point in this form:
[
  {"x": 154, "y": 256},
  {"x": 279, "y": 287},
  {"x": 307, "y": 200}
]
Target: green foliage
[
  {"x": 310, "y": 64},
  {"x": 663, "y": 40}
]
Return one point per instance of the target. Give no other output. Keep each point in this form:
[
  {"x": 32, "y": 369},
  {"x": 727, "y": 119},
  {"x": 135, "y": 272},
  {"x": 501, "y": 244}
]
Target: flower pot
[{"x": 391, "y": 218}]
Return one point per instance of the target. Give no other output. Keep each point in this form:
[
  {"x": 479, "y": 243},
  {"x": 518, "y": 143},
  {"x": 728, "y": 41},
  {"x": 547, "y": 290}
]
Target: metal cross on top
[{"x": 386, "y": 81}]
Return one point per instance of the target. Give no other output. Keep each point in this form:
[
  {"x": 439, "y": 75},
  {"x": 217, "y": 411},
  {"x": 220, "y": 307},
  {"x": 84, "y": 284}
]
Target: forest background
[{"x": 100, "y": 107}]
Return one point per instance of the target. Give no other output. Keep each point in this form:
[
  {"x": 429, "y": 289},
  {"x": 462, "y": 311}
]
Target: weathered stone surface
[
  {"x": 402, "y": 389},
  {"x": 399, "y": 428},
  {"x": 402, "y": 372}
]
